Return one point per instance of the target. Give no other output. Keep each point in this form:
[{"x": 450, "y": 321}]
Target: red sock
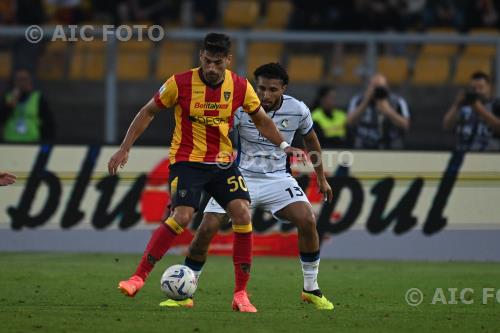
[
  {"x": 242, "y": 259},
  {"x": 158, "y": 245}
]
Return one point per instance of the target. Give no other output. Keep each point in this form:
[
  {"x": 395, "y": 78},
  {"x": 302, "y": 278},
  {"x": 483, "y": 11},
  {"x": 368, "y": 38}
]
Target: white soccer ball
[{"x": 178, "y": 282}]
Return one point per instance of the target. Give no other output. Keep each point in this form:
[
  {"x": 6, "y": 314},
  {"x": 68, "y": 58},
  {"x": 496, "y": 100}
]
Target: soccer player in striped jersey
[
  {"x": 205, "y": 100},
  {"x": 270, "y": 182}
]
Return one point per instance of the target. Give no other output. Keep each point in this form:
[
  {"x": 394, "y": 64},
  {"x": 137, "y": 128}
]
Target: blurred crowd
[{"x": 338, "y": 15}]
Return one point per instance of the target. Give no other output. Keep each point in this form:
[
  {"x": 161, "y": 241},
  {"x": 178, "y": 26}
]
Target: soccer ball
[{"x": 178, "y": 282}]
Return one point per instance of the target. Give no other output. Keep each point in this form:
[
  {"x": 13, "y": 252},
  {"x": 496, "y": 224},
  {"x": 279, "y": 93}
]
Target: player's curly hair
[
  {"x": 272, "y": 70},
  {"x": 217, "y": 43}
]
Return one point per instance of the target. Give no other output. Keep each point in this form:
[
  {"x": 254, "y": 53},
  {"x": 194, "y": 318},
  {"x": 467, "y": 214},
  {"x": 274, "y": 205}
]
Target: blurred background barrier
[{"x": 404, "y": 205}]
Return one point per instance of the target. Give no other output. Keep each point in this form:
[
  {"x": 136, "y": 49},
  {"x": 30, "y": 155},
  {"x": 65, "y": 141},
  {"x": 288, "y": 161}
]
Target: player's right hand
[{"x": 119, "y": 159}]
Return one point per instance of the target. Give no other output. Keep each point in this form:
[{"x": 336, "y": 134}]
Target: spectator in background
[
  {"x": 379, "y": 116},
  {"x": 483, "y": 13},
  {"x": 329, "y": 121},
  {"x": 66, "y": 11},
  {"x": 445, "y": 13},
  {"x": 24, "y": 112},
  {"x": 205, "y": 13},
  {"x": 475, "y": 116},
  {"x": 157, "y": 11}
]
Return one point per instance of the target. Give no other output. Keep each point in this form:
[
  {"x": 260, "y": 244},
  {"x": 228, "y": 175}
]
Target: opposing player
[
  {"x": 269, "y": 181},
  {"x": 205, "y": 100}
]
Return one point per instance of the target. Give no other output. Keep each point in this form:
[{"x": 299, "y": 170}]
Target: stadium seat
[
  {"x": 262, "y": 53},
  {"x": 305, "y": 68},
  {"x": 88, "y": 60},
  {"x": 482, "y": 50},
  {"x": 241, "y": 14},
  {"x": 174, "y": 57},
  {"x": 5, "y": 64},
  {"x": 349, "y": 70},
  {"x": 133, "y": 60},
  {"x": 395, "y": 69},
  {"x": 435, "y": 49},
  {"x": 431, "y": 70},
  {"x": 278, "y": 14},
  {"x": 467, "y": 65},
  {"x": 52, "y": 63}
]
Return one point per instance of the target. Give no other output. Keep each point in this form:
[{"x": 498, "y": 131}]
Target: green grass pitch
[{"x": 77, "y": 293}]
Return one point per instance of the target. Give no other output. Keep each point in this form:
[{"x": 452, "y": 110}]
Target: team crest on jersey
[
  {"x": 284, "y": 123},
  {"x": 227, "y": 94}
]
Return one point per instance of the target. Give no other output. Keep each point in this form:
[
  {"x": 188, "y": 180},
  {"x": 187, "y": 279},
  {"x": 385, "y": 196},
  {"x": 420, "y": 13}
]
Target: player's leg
[
  {"x": 186, "y": 184},
  {"x": 301, "y": 215},
  {"x": 239, "y": 212},
  {"x": 198, "y": 250},
  {"x": 231, "y": 192}
]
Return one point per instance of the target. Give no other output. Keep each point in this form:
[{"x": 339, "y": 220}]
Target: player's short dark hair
[
  {"x": 217, "y": 44},
  {"x": 272, "y": 70},
  {"x": 480, "y": 76}
]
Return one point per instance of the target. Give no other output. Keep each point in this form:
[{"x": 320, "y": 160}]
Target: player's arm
[
  {"x": 136, "y": 128},
  {"x": 312, "y": 145},
  {"x": 268, "y": 129}
]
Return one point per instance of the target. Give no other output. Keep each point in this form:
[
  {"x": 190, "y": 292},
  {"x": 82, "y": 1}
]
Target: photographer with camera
[
  {"x": 475, "y": 116},
  {"x": 380, "y": 117}
]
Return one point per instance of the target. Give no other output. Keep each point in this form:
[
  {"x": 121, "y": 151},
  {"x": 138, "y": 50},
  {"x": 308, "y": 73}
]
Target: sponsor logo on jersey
[
  {"x": 210, "y": 106},
  {"x": 209, "y": 121}
]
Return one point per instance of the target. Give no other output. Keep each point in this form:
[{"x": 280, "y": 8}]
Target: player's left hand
[
  {"x": 119, "y": 159},
  {"x": 299, "y": 154},
  {"x": 7, "y": 178},
  {"x": 325, "y": 188}
]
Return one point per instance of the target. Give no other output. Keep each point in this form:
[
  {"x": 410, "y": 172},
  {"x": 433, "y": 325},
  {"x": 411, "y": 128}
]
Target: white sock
[
  {"x": 197, "y": 274},
  {"x": 310, "y": 270}
]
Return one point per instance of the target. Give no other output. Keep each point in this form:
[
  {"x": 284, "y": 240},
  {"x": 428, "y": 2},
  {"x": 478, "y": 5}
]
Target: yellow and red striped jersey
[{"x": 204, "y": 114}]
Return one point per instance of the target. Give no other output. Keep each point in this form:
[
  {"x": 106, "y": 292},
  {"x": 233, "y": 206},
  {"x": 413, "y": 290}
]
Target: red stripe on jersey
[
  {"x": 212, "y": 132},
  {"x": 158, "y": 101},
  {"x": 184, "y": 87},
  {"x": 211, "y": 113},
  {"x": 239, "y": 91}
]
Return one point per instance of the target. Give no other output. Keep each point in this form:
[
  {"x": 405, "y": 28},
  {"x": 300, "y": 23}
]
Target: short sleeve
[
  {"x": 251, "y": 102},
  {"x": 237, "y": 117},
  {"x": 166, "y": 96},
  {"x": 306, "y": 122}
]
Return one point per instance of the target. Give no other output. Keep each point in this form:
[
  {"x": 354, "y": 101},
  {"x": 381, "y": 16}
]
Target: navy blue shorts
[{"x": 189, "y": 179}]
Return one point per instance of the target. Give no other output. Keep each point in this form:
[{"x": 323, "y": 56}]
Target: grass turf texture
[{"x": 77, "y": 293}]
